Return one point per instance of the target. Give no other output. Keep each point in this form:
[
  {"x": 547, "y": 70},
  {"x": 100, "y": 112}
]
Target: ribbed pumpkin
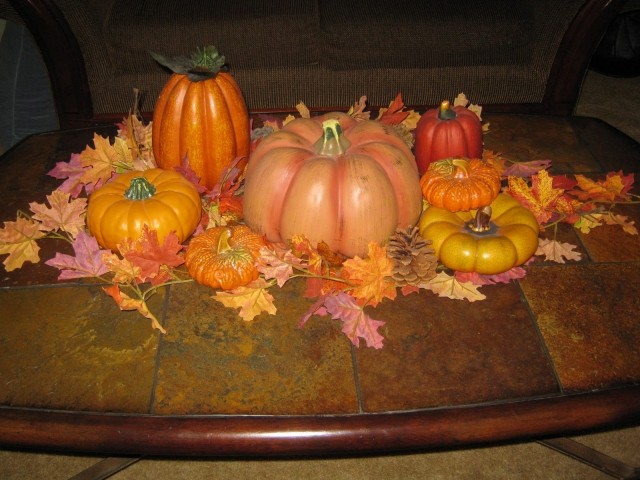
[
  {"x": 332, "y": 179},
  {"x": 447, "y": 132},
  {"x": 224, "y": 257},
  {"x": 488, "y": 241},
  {"x": 200, "y": 114},
  {"x": 458, "y": 184},
  {"x": 165, "y": 201}
]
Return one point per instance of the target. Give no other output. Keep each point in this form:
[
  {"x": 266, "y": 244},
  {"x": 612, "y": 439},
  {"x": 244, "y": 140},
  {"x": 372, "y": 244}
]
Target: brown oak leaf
[
  {"x": 556, "y": 251},
  {"x": 445, "y": 285}
]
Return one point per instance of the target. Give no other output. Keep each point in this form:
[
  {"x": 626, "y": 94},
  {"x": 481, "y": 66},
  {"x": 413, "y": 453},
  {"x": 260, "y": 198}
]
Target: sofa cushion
[
  {"x": 411, "y": 34},
  {"x": 250, "y": 33}
]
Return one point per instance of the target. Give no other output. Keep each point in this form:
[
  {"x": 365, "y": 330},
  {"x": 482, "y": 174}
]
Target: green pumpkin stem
[
  {"x": 332, "y": 142},
  {"x": 203, "y": 64},
  {"x": 445, "y": 112},
  {"x": 482, "y": 220},
  {"x": 223, "y": 241},
  {"x": 140, "y": 189}
]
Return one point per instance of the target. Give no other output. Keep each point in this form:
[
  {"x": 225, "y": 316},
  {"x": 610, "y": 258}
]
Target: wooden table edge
[{"x": 267, "y": 435}]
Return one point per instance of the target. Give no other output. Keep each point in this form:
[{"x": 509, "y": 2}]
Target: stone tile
[
  {"x": 214, "y": 362},
  {"x": 71, "y": 348},
  {"x": 609, "y": 243},
  {"x": 551, "y": 138},
  {"x": 588, "y": 316},
  {"x": 440, "y": 352}
]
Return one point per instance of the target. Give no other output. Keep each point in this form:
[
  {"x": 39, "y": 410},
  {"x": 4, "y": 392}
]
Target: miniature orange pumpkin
[
  {"x": 447, "y": 132},
  {"x": 333, "y": 180},
  {"x": 224, "y": 257},
  {"x": 164, "y": 201},
  {"x": 202, "y": 116},
  {"x": 489, "y": 241},
  {"x": 459, "y": 184}
]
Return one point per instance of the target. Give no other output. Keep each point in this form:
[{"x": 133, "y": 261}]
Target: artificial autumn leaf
[
  {"x": 371, "y": 275},
  {"x": 356, "y": 323},
  {"x": 395, "y": 114},
  {"x": 556, "y": 251},
  {"x": 588, "y": 222},
  {"x": 277, "y": 265},
  {"x": 526, "y": 169},
  {"x": 496, "y": 160},
  {"x": 541, "y": 198},
  {"x": 514, "y": 273},
  {"x": 63, "y": 214},
  {"x": 622, "y": 220},
  {"x": 448, "y": 286},
  {"x": 357, "y": 110},
  {"x": 19, "y": 240},
  {"x": 125, "y": 302},
  {"x": 102, "y": 161},
  {"x": 147, "y": 254},
  {"x": 252, "y": 299},
  {"x": 87, "y": 261},
  {"x": 303, "y": 110},
  {"x": 461, "y": 100},
  {"x": 72, "y": 172},
  {"x": 124, "y": 271},
  {"x": 615, "y": 186}
]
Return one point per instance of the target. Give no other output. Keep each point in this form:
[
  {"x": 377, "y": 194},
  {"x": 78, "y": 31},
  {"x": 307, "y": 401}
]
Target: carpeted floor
[{"x": 616, "y": 101}]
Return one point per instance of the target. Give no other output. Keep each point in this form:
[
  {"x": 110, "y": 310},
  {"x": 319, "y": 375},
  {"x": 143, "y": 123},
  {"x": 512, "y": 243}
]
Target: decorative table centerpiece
[{"x": 337, "y": 201}]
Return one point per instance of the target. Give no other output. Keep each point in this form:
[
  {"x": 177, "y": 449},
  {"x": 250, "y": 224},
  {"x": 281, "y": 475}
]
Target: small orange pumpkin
[
  {"x": 224, "y": 257},
  {"x": 201, "y": 115},
  {"x": 459, "y": 184}
]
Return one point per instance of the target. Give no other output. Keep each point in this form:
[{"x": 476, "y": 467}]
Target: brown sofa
[{"x": 527, "y": 56}]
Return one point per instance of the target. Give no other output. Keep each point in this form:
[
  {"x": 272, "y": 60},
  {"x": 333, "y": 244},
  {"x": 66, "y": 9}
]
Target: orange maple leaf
[
  {"x": 371, "y": 275},
  {"x": 615, "y": 186},
  {"x": 125, "y": 302},
  {"x": 19, "y": 240}
]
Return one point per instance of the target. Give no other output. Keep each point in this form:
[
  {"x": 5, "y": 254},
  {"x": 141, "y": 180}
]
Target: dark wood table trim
[{"x": 317, "y": 435}]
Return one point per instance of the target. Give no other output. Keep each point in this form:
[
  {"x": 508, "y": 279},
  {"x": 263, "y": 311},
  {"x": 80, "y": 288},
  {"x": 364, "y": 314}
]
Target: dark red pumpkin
[{"x": 447, "y": 132}]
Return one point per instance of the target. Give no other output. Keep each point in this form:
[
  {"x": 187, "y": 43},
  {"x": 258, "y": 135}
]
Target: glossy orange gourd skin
[
  {"x": 348, "y": 199},
  {"x": 460, "y": 184},
  {"x": 224, "y": 257},
  {"x": 437, "y": 139},
  {"x": 512, "y": 240},
  {"x": 175, "y": 206},
  {"x": 206, "y": 121}
]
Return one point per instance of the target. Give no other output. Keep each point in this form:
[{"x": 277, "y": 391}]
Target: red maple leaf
[
  {"x": 394, "y": 115},
  {"x": 151, "y": 257}
]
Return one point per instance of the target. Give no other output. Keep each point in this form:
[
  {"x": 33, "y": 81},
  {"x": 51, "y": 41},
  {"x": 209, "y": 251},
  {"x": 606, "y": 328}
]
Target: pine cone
[{"x": 413, "y": 258}]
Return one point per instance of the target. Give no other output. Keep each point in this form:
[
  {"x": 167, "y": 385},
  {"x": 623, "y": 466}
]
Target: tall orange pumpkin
[{"x": 201, "y": 115}]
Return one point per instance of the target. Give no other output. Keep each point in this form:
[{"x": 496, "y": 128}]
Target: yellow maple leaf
[
  {"x": 371, "y": 275},
  {"x": 252, "y": 299},
  {"x": 588, "y": 222},
  {"x": 104, "y": 159},
  {"x": 448, "y": 286},
  {"x": 124, "y": 271},
  {"x": 541, "y": 198},
  {"x": 65, "y": 214},
  {"x": 19, "y": 240}
]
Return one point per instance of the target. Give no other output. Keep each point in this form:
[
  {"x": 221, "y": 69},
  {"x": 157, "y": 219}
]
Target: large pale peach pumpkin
[{"x": 332, "y": 179}]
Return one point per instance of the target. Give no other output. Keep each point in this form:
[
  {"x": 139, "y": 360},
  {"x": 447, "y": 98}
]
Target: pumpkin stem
[
  {"x": 445, "y": 112},
  {"x": 481, "y": 222},
  {"x": 140, "y": 189},
  {"x": 461, "y": 167},
  {"x": 223, "y": 241},
  {"x": 332, "y": 142},
  {"x": 203, "y": 64}
]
